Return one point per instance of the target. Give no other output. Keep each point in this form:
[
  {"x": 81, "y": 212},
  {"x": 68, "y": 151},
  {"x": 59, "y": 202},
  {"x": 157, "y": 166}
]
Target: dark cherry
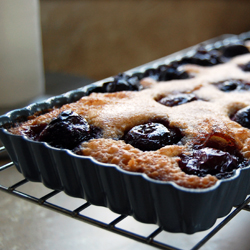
[
  {"x": 234, "y": 50},
  {"x": 66, "y": 131},
  {"x": 245, "y": 67},
  {"x": 34, "y": 131},
  {"x": 166, "y": 72},
  {"x": 243, "y": 117},
  {"x": 171, "y": 72},
  {"x": 177, "y": 99},
  {"x": 203, "y": 57},
  {"x": 123, "y": 82},
  {"x": 95, "y": 132},
  {"x": 151, "y": 136},
  {"x": 232, "y": 85},
  {"x": 210, "y": 161}
]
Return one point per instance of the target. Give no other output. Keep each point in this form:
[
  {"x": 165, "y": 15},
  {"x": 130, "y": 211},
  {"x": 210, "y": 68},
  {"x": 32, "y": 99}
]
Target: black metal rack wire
[{"x": 111, "y": 226}]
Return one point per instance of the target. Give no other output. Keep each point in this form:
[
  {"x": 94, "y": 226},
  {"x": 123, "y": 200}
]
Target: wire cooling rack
[{"x": 112, "y": 225}]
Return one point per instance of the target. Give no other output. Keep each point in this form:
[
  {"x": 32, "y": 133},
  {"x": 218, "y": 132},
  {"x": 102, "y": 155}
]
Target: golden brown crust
[{"x": 154, "y": 164}]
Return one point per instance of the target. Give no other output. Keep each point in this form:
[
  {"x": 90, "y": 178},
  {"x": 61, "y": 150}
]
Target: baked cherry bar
[{"x": 185, "y": 122}]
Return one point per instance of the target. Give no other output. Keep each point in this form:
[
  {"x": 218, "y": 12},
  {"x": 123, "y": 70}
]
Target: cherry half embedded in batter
[
  {"x": 120, "y": 82},
  {"x": 203, "y": 57},
  {"x": 152, "y": 136},
  {"x": 245, "y": 67},
  {"x": 66, "y": 131},
  {"x": 211, "y": 161},
  {"x": 234, "y": 50},
  {"x": 123, "y": 82},
  {"x": 233, "y": 85},
  {"x": 171, "y": 72},
  {"x": 177, "y": 99},
  {"x": 167, "y": 72},
  {"x": 243, "y": 117}
]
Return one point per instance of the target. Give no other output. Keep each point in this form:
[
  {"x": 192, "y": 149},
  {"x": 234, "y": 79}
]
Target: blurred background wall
[{"x": 100, "y": 38}]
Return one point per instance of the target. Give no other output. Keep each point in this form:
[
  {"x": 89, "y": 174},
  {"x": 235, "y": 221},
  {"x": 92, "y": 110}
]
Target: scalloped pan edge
[{"x": 174, "y": 208}]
